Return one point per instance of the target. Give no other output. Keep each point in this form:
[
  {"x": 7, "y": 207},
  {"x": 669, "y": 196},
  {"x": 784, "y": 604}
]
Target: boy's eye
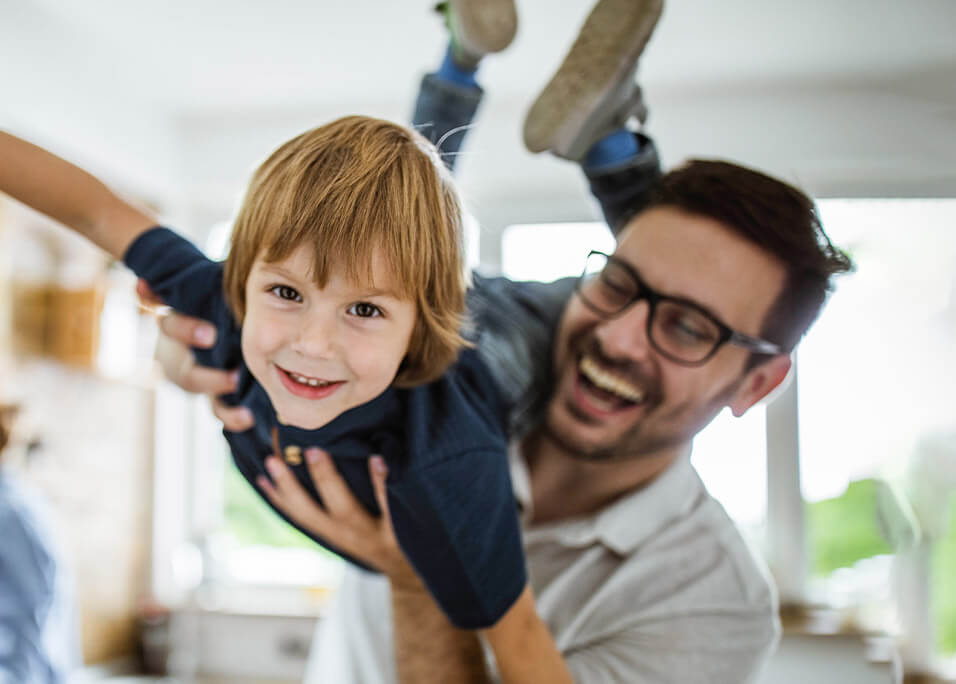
[
  {"x": 365, "y": 310},
  {"x": 286, "y": 292}
]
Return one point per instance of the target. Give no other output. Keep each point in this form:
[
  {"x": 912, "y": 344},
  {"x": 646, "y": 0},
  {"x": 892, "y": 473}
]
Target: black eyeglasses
[{"x": 679, "y": 329}]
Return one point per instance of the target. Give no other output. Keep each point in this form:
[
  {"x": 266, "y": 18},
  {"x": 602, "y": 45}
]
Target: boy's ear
[{"x": 759, "y": 382}]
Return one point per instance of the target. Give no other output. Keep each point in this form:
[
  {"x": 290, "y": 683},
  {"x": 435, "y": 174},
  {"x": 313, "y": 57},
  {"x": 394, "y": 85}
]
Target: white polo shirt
[{"x": 657, "y": 587}]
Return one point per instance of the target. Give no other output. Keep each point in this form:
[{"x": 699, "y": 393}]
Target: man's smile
[{"x": 601, "y": 392}]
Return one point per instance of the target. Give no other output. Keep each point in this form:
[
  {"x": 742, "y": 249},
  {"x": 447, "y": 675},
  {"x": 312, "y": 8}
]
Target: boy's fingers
[
  {"x": 190, "y": 331},
  {"x": 234, "y": 418}
]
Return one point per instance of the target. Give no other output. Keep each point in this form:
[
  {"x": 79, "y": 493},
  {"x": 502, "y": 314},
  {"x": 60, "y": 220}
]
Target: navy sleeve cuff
[{"x": 188, "y": 281}]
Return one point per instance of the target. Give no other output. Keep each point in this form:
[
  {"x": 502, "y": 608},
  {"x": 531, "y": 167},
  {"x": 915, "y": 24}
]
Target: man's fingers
[
  {"x": 285, "y": 491},
  {"x": 234, "y": 418},
  {"x": 378, "y": 471},
  {"x": 146, "y": 295},
  {"x": 269, "y": 490},
  {"x": 289, "y": 496},
  {"x": 203, "y": 380},
  {"x": 285, "y": 482},
  {"x": 338, "y": 500},
  {"x": 190, "y": 331}
]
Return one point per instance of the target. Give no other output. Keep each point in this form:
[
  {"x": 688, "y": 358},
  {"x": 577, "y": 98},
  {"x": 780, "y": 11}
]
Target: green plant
[{"x": 843, "y": 530}]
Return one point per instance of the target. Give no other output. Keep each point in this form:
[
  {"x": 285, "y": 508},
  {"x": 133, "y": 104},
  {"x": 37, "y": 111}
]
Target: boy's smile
[
  {"x": 309, "y": 388},
  {"x": 319, "y": 352}
]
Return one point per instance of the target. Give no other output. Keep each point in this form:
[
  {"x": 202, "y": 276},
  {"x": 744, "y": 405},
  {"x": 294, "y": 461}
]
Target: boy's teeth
[
  {"x": 311, "y": 382},
  {"x": 608, "y": 381}
]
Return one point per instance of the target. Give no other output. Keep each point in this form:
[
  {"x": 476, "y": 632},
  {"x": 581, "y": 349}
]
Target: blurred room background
[{"x": 843, "y": 481}]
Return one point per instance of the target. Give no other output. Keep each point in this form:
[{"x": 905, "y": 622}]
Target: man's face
[
  {"x": 319, "y": 352},
  {"x": 615, "y": 397}
]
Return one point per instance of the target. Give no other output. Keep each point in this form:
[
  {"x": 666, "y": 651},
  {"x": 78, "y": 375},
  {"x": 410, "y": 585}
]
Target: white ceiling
[
  {"x": 197, "y": 55},
  {"x": 177, "y": 99}
]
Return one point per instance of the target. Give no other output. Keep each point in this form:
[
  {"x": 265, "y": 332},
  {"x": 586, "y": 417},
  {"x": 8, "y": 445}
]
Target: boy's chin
[{"x": 310, "y": 422}]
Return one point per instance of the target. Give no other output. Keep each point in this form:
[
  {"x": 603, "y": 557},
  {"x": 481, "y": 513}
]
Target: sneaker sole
[
  {"x": 484, "y": 26},
  {"x": 572, "y": 106}
]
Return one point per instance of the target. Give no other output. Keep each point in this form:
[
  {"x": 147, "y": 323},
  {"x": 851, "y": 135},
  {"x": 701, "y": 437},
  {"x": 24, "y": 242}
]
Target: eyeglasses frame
[{"x": 727, "y": 334}]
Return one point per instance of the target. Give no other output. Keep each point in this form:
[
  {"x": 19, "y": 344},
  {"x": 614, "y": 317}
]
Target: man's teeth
[
  {"x": 311, "y": 382},
  {"x": 609, "y": 382}
]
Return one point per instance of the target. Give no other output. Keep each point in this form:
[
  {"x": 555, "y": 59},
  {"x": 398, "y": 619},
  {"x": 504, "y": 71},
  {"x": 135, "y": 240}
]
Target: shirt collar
[{"x": 627, "y": 522}]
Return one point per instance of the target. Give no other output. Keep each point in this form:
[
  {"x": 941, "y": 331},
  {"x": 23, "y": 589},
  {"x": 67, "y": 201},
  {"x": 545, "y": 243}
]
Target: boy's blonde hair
[{"x": 346, "y": 189}]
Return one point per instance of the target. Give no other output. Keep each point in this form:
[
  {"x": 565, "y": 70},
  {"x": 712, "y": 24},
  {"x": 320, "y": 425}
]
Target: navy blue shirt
[{"x": 449, "y": 490}]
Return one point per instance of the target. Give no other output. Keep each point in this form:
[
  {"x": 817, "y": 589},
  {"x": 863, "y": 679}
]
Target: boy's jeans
[
  {"x": 514, "y": 323},
  {"x": 442, "y": 107}
]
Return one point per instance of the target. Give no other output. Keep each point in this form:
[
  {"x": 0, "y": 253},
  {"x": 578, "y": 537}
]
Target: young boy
[{"x": 341, "y": 303}]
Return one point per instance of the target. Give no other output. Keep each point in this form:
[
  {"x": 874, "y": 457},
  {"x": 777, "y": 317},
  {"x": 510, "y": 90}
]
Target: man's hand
[
  {"x": 523, "y": 647},
  {"x": 427, "y": 647},
  {"x": 343, "y": 521},
  {"x": 179, "y": 365}
]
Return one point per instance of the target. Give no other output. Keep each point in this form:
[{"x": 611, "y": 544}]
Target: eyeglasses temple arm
[{"x": 755, "y": 344}]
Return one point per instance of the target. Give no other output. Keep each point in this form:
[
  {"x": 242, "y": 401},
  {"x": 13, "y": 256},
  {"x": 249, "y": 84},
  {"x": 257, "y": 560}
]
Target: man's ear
[{"x": 759, "y": 382}]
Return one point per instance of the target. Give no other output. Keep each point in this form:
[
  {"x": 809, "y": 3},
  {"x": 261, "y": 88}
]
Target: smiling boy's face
[{"x": 319, "y": 352}]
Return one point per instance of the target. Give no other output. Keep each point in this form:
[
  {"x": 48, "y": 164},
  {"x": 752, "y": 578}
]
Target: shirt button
[{"x": 293, "y": 455}]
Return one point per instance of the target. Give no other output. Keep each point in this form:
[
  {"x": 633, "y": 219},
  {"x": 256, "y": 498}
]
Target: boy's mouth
[{"x": 306, "y": 386}]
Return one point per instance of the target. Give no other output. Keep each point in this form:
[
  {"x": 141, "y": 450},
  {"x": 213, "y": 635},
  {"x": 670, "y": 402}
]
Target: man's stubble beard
[{"x": 633, "y": 444}]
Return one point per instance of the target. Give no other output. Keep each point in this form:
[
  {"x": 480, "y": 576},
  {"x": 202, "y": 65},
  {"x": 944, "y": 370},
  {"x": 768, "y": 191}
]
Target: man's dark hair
[{"x": 775, "y": 216}]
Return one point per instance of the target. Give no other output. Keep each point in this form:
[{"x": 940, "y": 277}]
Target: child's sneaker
[
  {"x": 594, "y": 92},
  {"x": 479, "y": 27}
]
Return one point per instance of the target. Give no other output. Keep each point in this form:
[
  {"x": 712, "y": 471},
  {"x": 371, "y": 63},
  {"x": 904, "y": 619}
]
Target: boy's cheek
[{"x": 375, "y": 359}]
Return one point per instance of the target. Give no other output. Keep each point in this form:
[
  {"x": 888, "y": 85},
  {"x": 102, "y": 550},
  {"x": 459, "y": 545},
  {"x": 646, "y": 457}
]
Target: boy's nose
[{"x": 316, "y": 338}]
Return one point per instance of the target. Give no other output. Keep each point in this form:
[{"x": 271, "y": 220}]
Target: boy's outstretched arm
[{"x": 70, "y": 195}]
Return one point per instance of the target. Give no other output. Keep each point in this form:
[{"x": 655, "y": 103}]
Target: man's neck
[{"x": 564, "y": 487}]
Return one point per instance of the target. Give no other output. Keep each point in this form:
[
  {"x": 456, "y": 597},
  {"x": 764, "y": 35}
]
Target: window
[{"x": 875, "y": 379}]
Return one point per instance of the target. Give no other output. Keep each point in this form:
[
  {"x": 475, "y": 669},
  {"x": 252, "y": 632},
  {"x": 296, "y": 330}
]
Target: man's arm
[
  {"x": 70, "y": 195},
  {"x": 427, "y": 646}
]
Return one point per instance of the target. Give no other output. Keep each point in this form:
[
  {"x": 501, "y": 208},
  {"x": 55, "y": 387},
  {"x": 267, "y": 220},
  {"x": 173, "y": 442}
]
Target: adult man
[{"x": 637, "y": 571}]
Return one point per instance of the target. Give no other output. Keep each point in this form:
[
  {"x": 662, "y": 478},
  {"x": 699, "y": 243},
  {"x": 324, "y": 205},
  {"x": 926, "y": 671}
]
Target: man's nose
[{"x": 624, "y": 336}]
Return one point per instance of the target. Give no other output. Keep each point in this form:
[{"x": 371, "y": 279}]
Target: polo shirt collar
[{"x": 627, "y": 522}]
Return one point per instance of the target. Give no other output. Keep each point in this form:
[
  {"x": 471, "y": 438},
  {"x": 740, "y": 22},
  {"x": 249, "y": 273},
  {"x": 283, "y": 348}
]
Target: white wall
[{"x": 57, "y": 89}]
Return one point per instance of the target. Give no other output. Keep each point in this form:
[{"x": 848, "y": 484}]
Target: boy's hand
[
  {"x": 179, "y": 365},
  {"x": 343, "y": 521}
]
